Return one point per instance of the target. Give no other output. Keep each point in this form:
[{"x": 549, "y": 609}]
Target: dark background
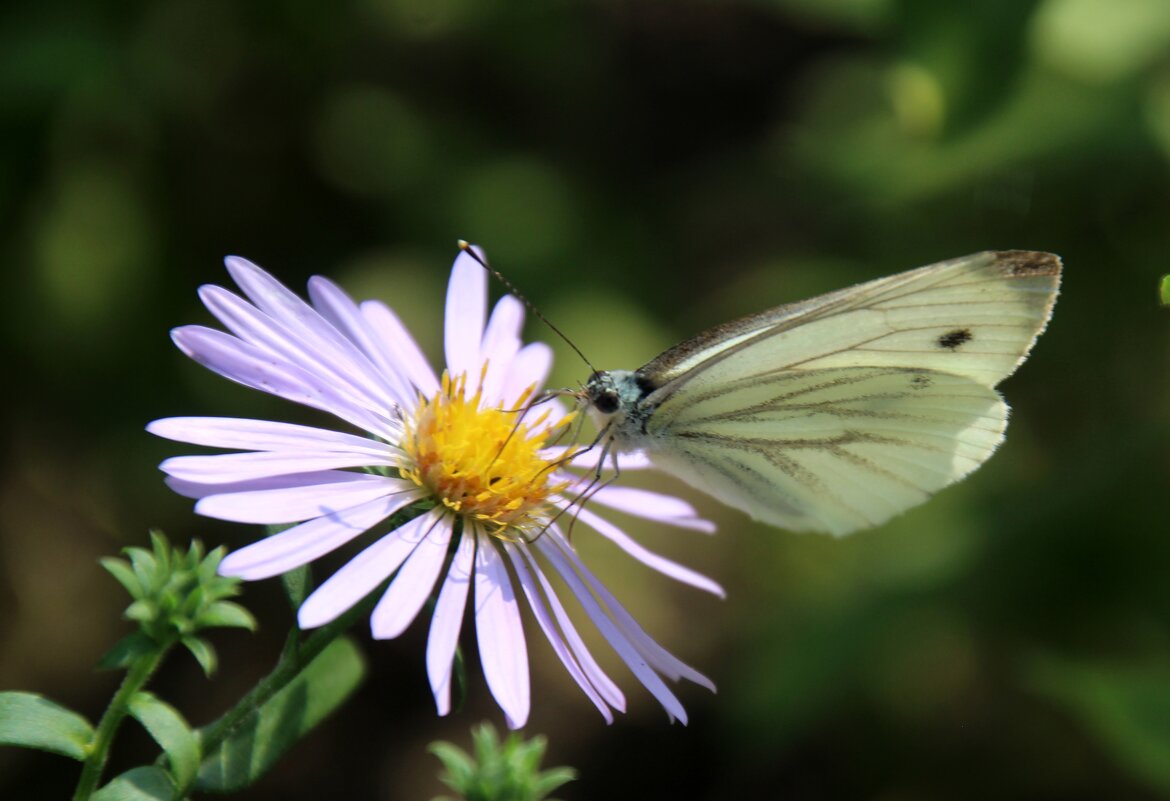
[{"x": 642, "y": 171}]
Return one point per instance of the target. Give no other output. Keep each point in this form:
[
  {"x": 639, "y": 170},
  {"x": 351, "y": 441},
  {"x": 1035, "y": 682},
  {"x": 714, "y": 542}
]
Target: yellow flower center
[{"x": 481, "y": 463}]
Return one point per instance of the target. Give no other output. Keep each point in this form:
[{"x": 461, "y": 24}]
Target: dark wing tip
[{"x": 1025, "y": 263}]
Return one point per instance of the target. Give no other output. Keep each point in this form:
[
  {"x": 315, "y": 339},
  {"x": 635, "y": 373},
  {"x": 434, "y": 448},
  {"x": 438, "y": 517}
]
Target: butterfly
[{"x": 837, "y": 413}]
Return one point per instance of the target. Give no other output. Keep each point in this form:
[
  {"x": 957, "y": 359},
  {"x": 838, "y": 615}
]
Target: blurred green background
[{"x": 641, "y": 170}]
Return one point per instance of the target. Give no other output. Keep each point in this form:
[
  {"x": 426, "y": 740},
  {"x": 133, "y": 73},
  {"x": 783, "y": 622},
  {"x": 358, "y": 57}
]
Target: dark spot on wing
[
  {"x": 951, "y": 340},
  {"x": 1019, "y": 263}
]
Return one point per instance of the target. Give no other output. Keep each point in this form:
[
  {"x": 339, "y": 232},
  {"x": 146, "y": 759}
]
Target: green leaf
[
  {"x": 457, "y": 762},
  {"x": 1164, "y": 290},
  {"x": 203, "y": 652},
  {"x": 121, "y": 570},
  {"x": 251, "y": 750},
  {"x": 229, "y": 614},
  {"x": 128, "y": 649},
  {"x": 552, "y": 779},
  {"x": 33, "y": 721},
  {"x": 1126, "y": 708},
  {"x": 148, "y": 783},
  {"x": 171, "y": 732}
]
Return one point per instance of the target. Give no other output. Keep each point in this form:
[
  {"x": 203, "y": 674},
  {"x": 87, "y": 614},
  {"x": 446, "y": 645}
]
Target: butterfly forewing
[{"x": 976, "y": 317}]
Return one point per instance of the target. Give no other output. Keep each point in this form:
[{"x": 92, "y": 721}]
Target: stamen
[{"x": 483, "y": 464}]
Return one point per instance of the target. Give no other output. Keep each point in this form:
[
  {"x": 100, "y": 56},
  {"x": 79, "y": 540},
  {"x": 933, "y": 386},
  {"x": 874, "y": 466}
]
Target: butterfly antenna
[{"x": 466, "y": 247}]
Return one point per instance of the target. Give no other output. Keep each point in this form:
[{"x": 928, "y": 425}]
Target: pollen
[{"x": 483, "y": 464}]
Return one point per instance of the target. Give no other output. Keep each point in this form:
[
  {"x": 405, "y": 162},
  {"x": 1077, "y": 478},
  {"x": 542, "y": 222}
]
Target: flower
[{"x": 483, "y": 479}]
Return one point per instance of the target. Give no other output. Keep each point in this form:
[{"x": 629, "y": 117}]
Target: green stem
[
  {"x": 297, "y": 654},
  {"x": 136, "y": 677}
]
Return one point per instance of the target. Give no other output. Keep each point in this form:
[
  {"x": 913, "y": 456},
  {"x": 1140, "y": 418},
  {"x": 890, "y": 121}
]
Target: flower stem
[
  {"x": 136, "y": 677},
  {"x": 296, "y": 655}
]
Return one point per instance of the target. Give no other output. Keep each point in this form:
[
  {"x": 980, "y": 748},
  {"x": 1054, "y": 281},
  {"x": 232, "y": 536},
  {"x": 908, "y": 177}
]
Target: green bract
[
  {"x": 175, "y": 595},
  {"x": 507, "y": 771}
]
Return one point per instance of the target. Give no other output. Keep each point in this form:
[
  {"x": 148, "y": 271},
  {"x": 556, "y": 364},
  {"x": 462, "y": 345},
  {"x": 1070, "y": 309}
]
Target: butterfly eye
[{"x": 606, "y": 402}]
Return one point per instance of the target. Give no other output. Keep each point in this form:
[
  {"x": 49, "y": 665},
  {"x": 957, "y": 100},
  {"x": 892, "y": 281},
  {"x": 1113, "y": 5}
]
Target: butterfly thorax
[{"x": 615, "y": 400}]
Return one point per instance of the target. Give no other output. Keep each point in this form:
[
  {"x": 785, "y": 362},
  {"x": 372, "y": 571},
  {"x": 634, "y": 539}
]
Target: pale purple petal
[
  {"x": 399, "y": 347},
  {"x": 292, "y": 504},
  {"x": 231, "y": 467},
  {"x": 529, "y": 369},
  {"x": 501, "y": 342},
  {"x": 339, "y": 309},
  {"x": 532, "y": 592},
  {"x": 302, "y": 544},
  {"x": 412, "y": 586},
  {"x": 362, "y": 574},
  {"x": 597, "y": 677},
  {"x": 625, "y": 649},
  {"x": 350, "y": 372},
  {"x": 245, "y": 364},
  {"x": 195, "y": 489},
  {"x": 587, "y": 459},
  {"x": 644, "y": 555},
  {"x": 502, "y": 649},
  {"x": 281, "y": 303},
  {"x": 466, "y": 311},
  {"x": 447, "y": 621},
  {"x": 661, "y": 659},
  {"x": 652, "y": 505},
  {"x": 260, "y": 435}
]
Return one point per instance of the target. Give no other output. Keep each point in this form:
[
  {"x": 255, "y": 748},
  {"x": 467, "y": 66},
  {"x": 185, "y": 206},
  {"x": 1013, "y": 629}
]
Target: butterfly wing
[
  {"x": 839, "y": 412},
  {"x": 975, "y": 316},
  {"x": 834, "y": 449}
]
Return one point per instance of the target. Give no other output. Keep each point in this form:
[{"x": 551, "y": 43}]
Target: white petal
[
  {"x": 230, "y": 467},
  {"x": 302, "y": 544},
  {"x": 446, "y": 622},
  {"x": 260, "y": 435},
  {"x": 362, "y": 574},
  {"x": 412, "y": 586},
  {"x": 625, "y": 649},
  {"x": 464, "y": 320},
  {"x": 502, "y": 649},
  {"x": 661, "y": 659},
  {"x": 532, "y": 592},
  {"x": 293, "y": 504},
  {"x": 399, "y": 347},
  {"x": 644, "y": 555},
  {"x": 652, "y": 505},
  {"x": 337, "y": 307}
]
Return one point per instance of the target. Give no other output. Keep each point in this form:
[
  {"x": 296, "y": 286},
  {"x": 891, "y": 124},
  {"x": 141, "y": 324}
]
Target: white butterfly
[{"x": 839, "y": 412}]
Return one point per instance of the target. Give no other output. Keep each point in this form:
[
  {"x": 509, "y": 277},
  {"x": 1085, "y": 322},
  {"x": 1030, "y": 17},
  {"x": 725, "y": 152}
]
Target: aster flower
[{"x": 484, "y": 481}]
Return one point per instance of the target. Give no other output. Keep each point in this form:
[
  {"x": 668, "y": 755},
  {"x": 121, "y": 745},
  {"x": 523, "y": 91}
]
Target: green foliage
[
  {"x": 168, "y": 728},
  {"x": 266, "y": 734},
  {"x": 176, "y": 594},
  {"x": 507, "y": 771},
  {"x": 148, "y": 783},
  {"x": 1125, "y": 707},
  {"x": 32, "y": 721}
]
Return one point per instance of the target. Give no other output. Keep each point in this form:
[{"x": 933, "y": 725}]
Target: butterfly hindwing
[{"x": 835, "y": 449}]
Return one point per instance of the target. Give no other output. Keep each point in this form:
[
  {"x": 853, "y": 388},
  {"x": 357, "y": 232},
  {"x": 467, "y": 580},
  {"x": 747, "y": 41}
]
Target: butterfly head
[{"x": 614, "y": 400}]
